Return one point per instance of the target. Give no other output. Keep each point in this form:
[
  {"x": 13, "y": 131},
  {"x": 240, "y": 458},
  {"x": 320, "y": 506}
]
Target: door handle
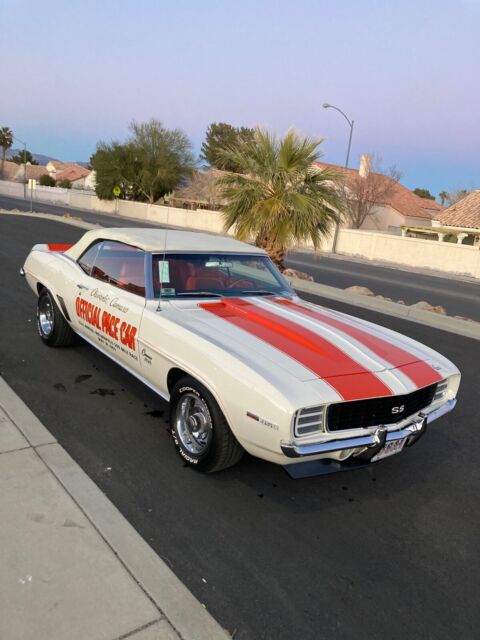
[{"x": 82, "y": 286}]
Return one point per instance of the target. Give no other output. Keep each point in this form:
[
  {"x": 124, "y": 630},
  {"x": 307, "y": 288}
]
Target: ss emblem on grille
[{"x": 399, "y": 409}]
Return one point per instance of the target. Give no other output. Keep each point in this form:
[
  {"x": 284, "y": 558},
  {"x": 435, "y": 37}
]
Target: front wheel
[
  {"x": 199, "y": 429},
  {"x": 52, "y": 326}
]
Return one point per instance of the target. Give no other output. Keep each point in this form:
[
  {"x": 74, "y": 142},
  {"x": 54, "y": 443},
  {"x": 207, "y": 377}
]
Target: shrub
[{"x": 47, "y": 180}]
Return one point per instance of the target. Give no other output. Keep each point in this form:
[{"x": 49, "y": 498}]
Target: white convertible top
[{"x": 158, "y": 240}]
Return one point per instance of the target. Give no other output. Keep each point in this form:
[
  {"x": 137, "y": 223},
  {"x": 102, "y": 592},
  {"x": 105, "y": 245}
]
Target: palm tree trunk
[
  {"x": 275, "y": 251},
  {"x": 4, "y": 153}
]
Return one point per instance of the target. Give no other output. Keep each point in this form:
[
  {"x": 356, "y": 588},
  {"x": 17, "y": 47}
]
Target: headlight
[
  {"x": 309, "y": 420},
  {"x": 447, "y": 389}
]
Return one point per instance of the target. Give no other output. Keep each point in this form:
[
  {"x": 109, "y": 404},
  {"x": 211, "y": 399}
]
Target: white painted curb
[{"x": 185, "y": 613}]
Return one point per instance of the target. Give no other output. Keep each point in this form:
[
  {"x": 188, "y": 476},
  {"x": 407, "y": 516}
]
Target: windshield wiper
[
  {"x": 199, "y": 294},
  {"x": 259, "y": 292}
]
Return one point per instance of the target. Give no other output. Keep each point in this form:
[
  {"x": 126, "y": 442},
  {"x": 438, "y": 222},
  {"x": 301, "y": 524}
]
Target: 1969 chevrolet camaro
[{"x": 212, "y": 326}]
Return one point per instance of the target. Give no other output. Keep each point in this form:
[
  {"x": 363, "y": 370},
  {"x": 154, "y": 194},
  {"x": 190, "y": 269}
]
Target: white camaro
[{"x": 212, "y": 326}]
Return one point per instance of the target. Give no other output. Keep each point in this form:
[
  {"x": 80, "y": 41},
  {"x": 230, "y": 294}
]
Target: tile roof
[
  {"x": 464, "y": 213},
  {"x": 10, "y": 170},
  {"x": 33, "y": 171},
  {"x": 72, "y": 173},
  {"x": 401, "y": 199},
  {"x": 15, "y": 172}
]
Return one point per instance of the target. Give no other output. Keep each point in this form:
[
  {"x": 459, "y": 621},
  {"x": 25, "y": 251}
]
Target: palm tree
[
  {"x": 6, "y": 141},
  {"x": 443, "y": 195},
  {"x": 280, "y": 197}
]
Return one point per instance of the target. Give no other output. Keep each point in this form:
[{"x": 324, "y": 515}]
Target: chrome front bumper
[{"x": 373, "y": 440}]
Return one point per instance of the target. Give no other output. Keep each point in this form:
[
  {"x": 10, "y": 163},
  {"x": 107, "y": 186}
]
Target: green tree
[
  {"x": 221, "y": 136},
  {"x": 150, "y": 164},
  {"x": 280, "y": 197},
  {"x": 23, "y": 156},
  {"x": 423, "y": 193},
  {"x": 115, "y": 166},
  {"x": 443, "y": 195},
  {"x": 46, "y": 180},
  {"x": 65, "y": 184},
  {"x": 6, "y": 141}
]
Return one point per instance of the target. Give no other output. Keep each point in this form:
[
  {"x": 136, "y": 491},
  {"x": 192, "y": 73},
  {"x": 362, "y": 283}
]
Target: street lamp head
[{"x": 325, "y": 105}]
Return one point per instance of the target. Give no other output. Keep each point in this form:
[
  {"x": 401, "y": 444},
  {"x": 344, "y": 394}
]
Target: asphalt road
[
  {"x": 385, "y": 552},
  {"x": 458, "y": 296}
]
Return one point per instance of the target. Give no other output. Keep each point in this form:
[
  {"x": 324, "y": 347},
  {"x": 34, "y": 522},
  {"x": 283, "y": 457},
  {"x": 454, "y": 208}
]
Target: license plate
[{"x": 390, "y": 449}]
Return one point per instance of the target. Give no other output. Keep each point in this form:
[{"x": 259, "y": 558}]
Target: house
[
  {"x": 395, "y": 206},
  {"x": 20, "y": 172},
  {"x": 461, "y": 222},
  {"x": 74, "y": 173},
  {"x": 80, "y": 177}
]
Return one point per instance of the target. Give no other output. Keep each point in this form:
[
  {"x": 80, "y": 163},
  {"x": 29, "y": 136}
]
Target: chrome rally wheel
[
  {"x": 193, "y": 424},
  {"x": 199, "y": 430}
]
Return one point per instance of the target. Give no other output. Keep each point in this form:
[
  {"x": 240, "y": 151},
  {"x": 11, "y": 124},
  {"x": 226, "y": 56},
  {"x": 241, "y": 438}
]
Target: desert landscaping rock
[
  {"x": 293, "y": 273},
  {"x": 426, "y": 306},
  {"x": 363, "y": 291}
]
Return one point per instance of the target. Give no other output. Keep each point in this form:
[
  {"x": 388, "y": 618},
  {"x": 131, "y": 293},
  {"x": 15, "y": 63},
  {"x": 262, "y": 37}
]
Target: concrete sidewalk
[{"x": 70, "y": 565}]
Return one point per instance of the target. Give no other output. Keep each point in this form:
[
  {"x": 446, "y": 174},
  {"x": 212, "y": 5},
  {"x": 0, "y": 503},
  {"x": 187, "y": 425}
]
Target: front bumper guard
[{"x": 373, "y": 441}]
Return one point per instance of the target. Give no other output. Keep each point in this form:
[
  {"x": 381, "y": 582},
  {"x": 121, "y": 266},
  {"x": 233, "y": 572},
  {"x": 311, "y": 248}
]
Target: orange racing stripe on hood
[
  {"x": 312, "y": 351},
  {"x": 419, "y": 372}
]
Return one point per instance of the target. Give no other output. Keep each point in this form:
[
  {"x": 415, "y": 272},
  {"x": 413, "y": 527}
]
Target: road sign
[
  {"x": 32, "y": 183},
  {"x": 116, "y": 191}
]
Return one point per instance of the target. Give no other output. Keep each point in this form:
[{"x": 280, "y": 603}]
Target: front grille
[{"x": 359, "y": 414}]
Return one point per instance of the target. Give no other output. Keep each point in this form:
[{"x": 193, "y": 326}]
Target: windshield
[{"x": 211, "y": 275}]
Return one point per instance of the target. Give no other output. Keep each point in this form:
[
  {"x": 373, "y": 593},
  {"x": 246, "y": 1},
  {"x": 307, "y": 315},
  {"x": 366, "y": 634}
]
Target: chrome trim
[
  {"x": 441, "y": 411},
  {"x": 292, "y": 450},
  {"x": 22, "y": 272}
]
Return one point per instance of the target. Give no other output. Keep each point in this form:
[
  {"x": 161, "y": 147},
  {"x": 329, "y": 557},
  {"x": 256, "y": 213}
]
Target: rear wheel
[
  {"x": 52, "y": 326},
  {"x": 199, "y": 429}
]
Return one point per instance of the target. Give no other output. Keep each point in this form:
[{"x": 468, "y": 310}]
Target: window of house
[{"x": 120, "y": 265}]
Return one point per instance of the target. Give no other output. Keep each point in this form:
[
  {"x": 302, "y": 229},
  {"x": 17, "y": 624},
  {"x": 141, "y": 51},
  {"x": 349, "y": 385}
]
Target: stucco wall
[{"x": 371, "y": 245}]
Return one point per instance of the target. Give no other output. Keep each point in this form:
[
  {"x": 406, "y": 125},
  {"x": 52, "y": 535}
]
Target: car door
[{"x": 111, "y": 301}]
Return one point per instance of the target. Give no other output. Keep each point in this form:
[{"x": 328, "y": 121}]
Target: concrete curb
[
  {"x": 446, "y": 323},
  {"x": 56, "y": 218},
  {"x": 185, "y": 613}
]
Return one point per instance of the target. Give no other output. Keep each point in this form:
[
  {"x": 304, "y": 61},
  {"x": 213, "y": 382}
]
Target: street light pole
[
  {"x": 24, "y": 165},
  {"x": 350, "y": 124}
]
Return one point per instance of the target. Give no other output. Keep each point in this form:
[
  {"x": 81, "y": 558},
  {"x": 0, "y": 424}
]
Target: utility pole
[
  {"x": 350, "y": 124},
  {"x": 24, "y": 165}
]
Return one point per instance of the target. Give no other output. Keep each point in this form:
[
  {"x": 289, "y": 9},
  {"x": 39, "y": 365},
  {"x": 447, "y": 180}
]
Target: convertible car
[{"x": 212, "y": 326}]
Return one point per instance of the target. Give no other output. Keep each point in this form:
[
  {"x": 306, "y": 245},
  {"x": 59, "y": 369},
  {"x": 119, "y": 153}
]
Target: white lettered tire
[{"x": 199, "y": 429}]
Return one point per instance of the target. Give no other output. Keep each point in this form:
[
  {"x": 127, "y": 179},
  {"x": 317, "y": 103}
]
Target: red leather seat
[
  {"x": 206, "y": 278},
  {"x": 132, "y": 275},
  {"x": 195, "y": 283}
]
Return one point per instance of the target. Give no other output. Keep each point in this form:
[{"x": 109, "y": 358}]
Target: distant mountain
[
  {"x": 43, "y": 159},
  {"x": 39, "y": 157}
]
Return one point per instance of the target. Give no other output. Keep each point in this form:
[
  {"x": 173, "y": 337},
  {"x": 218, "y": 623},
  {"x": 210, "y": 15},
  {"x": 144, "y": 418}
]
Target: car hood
[{"x": 310, "y": 342}]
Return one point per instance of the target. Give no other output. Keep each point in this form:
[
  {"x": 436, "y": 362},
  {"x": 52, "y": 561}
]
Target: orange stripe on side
[
  {"x": 315, "y": 353},
  {"x": 419, "y": 372}
]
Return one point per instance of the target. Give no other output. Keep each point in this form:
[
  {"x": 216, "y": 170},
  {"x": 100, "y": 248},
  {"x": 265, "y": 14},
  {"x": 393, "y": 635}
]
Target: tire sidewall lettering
[{"x": 186, "y": 456}]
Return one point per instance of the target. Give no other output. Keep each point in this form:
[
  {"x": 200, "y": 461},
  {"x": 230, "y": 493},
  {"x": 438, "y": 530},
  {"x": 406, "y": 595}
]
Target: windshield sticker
[
  {"x": 216, "y": 262},
  {"x": 168, "y": 291},
  {"x": 164, "y": 271}
]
